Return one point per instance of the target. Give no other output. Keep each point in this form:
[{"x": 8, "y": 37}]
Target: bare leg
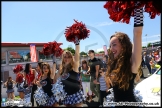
[
  {"x": 12, "y": 95},
  {"x": 56, "y": 105},
  {"x": 79, "y": 105}
]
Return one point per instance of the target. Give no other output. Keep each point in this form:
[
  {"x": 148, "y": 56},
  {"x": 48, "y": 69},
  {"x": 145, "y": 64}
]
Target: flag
[
  {"x": 105, "y": 49},
  {"x": 33, "y": 53}
]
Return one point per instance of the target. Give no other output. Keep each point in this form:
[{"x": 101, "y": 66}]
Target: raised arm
[
  {"x": 137, "y": 39},
  {"x": 77, "y": 55}
]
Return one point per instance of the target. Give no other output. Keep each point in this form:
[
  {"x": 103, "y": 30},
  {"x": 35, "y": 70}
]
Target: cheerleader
[
  {"x": 46, "y": 81},
  {"x": 29, "y": 74},
  {"x": 10, "y": 88},
  {"x": 19, "y": 80},
  {"x": 69, "y": 78},
  {"x": 124, "y": 61},
  {"x": 37, "y": 77}
]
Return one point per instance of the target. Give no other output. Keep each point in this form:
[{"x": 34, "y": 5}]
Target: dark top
[
  {"x": 148, "y": 58},
  {"x": 71, "y": 84},
  {"x": 92, "y": 64},
  {"x": 128, "y": 95},
  {"x": 46, "y": 85},
  {"x": 9, "y": 85},
  {"x": 103, "y": 64}
]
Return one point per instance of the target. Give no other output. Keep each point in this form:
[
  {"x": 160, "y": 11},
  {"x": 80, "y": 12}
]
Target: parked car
[{"x": 150, "y": 89}]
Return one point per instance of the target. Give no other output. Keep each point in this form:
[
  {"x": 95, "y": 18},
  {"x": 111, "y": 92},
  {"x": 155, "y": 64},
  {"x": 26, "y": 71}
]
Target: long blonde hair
[{"x": 68, "y": 67}]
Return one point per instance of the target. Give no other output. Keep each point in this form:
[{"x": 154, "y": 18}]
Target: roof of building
[{"x": 12, "y": 44}]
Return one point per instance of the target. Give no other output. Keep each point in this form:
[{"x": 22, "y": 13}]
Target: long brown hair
[
  {"x": 70, "y": 66},
  {"x": 84, "y": 62},
  {"x": 121, "y": 66},
  {"x": 48, "y": 66}
]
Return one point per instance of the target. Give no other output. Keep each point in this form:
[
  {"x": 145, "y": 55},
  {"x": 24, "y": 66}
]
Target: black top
[
  {"x": 71, "y": 84},
  {"x": 92, "y": 64},
  {"x": 46, "y": 85},
  {"x": 103, "y": 64},
  {"x": 128, "y": 95},
  {"x": 10, "y": 85}
]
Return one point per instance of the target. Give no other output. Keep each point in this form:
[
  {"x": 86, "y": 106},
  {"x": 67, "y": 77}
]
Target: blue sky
[{"x": 46, "y": 22}]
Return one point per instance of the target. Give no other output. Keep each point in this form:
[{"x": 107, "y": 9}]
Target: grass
[{"x": 17, "y": 97}]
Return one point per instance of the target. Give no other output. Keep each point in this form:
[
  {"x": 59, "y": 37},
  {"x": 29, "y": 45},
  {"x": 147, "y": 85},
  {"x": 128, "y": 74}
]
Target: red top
[
  {"x": 30, "y": 77},
  {"x": 38, "y": 76}
]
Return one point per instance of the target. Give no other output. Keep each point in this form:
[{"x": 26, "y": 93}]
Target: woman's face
[
  {"x": 67, "y": 59},
  {"x": 30, "y": 67},
  {"x": 45, "y": 69},
  {"x": 38, "y": 67},
  {"x": 10, "y": 79},
  {"x": 84, "y": 64},
  {"x": 115, "y": 46}
]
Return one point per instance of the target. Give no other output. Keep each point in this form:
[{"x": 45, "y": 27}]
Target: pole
[{"x": 146, "y": 40}]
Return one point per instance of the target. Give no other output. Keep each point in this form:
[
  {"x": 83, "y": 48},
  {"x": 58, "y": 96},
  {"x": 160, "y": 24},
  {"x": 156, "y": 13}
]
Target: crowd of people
[
  {"x": 151, "y": 60},
  {"x": 117, "y": 70}
]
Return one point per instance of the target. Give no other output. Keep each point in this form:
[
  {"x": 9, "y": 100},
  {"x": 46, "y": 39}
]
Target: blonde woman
[{"x": 69, "y": 77}]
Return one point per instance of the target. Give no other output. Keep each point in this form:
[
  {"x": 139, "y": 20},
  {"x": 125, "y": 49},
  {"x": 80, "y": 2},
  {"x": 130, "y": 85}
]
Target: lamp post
[{"x": 146, "y": 41}]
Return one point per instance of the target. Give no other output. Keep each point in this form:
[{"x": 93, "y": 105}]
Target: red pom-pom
[
  {"x": 77, "y": 29},
  {"x": 46, "y": 49},
  {"x": 19, "y": 78},
  {"x": 123, "y": 10},
  {"x": 56, "y": 50},
  {"x": 52, "y": 48},
  {"x": 153, "y": 8},
  {"x": 18, "y": 68}
]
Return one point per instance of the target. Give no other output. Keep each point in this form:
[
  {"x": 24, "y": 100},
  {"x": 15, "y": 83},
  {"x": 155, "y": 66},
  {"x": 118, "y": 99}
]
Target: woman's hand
[
  {"x": 38, "y": 83},
  {"x": 95, "y": 82},
  {"x": 87, "y": 73}
]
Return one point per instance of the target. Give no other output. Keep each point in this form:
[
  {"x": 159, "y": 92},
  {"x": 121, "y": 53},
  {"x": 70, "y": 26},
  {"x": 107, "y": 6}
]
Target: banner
[
  {"x": 105, "y": 49},
  {"x": 33, "y": 53}
]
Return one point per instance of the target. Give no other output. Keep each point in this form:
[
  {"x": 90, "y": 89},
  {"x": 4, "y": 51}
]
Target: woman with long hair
[
  {"x": 85, "y": 79},
  {"x": 46, "y": 81},
  {"x": 29, "y": 74},
  {"x": 19, "y": 80},
  {"x": 69, "y": 77},
  {"x": 10, "y": 88},
  {"x": 124, "y": 61}
]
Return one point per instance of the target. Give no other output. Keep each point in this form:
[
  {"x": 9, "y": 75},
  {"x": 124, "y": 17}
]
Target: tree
[
  {"x": 149, "y": 45},
  {"x": 83, "y": 53},
  {"x": 71, "y": 50},
  {"x": 143, "y": 46},
  {"x": 101, "y": 52}
]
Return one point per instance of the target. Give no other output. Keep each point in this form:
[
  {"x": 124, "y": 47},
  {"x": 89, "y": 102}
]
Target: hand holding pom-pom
[
  {"x": 76, "y": 40},
  {"x": 122, "y": 11},
  {"x": 77, "y": 29},
  {"x": 52, "y": 48}
]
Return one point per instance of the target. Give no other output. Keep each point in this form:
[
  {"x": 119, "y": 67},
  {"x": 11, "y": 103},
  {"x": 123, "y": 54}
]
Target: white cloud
[{"x": 105, "y": 23}]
